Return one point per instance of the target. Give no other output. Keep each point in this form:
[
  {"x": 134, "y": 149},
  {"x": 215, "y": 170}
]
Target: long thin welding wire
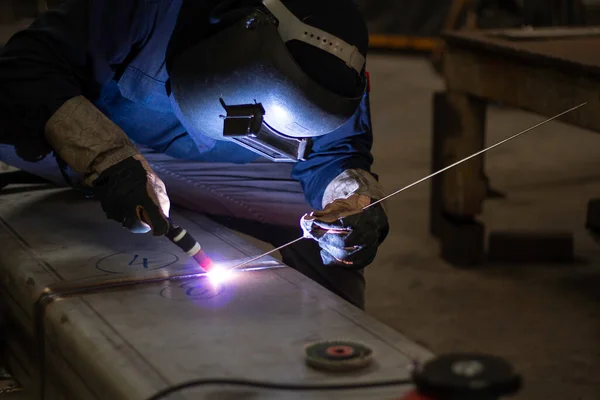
[
  {"x": 425, "y": 178},
  {"x": 474, "y": 155},
  {"x": 266, "y": 254}
]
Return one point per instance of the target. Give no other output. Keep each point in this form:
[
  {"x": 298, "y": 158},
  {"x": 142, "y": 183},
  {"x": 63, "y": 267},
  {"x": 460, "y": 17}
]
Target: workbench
[
  {"x": 95, "y": 312},
  {"x": 531, "y": 71}
]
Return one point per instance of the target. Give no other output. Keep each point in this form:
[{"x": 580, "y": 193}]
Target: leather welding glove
[
  {"x": 346, "y": 234},
  {"x": 131, "y": 193},
  {"x": 92, "y": 145}
]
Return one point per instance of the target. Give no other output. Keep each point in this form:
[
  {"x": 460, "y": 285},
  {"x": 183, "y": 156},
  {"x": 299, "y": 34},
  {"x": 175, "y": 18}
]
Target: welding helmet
[{"x": 243, "y": 84}]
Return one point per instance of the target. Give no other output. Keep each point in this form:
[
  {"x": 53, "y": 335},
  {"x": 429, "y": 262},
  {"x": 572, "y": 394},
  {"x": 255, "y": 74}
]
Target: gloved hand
[
  {"x": 93, "y": 145},
  {"x": 132, "y": 194},
  {"x": 346, "y": 234}
]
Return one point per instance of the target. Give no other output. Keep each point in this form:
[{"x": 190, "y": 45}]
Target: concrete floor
[{"x": 545, "y": 319}]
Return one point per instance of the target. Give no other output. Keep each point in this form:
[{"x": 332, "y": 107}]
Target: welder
[{"x": 255, "y": 113}]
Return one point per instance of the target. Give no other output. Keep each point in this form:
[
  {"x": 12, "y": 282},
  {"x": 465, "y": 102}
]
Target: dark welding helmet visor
[{"x": 242, "y": 84}]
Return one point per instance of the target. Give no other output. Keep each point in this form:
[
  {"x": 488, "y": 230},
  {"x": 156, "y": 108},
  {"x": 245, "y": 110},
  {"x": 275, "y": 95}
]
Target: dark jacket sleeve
[
  {"x": 69, "y": 51},
  {"x": 349, "y": 147}
]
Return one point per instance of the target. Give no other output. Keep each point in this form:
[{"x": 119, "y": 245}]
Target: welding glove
[
  {"x": 131, "y": 193},
  {"x": 92, "y": 145},
  {"x": 348, "y": 235}
]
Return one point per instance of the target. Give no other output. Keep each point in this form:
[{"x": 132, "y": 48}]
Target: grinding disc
[{"x": 338, "y": 355}]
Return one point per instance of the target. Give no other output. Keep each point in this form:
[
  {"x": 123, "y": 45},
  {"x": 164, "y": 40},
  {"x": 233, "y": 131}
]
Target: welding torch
[
  {"x": 182, "y": 239},
  {"x": 186, "y": 242}
]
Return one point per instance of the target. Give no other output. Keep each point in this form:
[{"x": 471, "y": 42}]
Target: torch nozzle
[
  {"x": 204, "y": 260},
  {"x": 187, "y": 243}
]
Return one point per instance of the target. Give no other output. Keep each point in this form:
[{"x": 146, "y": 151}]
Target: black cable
[
  {"x": 63, "y": 166},
  {"x": 276, "y": 386}
]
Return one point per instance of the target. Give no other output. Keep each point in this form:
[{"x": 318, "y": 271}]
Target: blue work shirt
[{"x": 115, "y": 53}]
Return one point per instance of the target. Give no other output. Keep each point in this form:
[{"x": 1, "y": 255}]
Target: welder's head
[{"x": 273, "y": 74}]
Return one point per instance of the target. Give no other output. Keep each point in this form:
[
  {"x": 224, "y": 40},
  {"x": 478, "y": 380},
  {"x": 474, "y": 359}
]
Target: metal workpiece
[{"x": 124, "y": 316}]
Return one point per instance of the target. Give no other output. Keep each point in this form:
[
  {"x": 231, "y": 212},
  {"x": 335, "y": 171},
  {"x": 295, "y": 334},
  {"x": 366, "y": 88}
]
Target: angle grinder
[{"x": 464, "y": 377}]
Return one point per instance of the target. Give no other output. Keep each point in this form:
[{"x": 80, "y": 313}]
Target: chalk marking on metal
[{"x": 424, "y": 179}]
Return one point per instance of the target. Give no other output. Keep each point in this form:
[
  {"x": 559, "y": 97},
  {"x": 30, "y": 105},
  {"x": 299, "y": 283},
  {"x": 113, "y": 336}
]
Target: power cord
[{"x": 277, "y": 386}]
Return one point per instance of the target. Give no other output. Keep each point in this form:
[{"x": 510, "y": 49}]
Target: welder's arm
[
  {"x": 90, "y": 143},
  {"x": 337, "y": 181},
  {"x": 69, "y": 51},
  {"x": 46, "y": 73}
]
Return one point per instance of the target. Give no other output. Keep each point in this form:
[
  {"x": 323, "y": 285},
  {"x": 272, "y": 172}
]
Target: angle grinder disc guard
[{"x": 467, "y": 376}]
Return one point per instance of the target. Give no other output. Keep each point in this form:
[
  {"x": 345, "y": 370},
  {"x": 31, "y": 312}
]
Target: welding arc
[
  {"x": 427, "y": 177},
  {"x": 278, "y": 386}
]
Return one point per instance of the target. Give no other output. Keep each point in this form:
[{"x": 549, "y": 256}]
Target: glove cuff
[
  {"x": 87, "y": 140},
  {"x": 350, "y": 182}
]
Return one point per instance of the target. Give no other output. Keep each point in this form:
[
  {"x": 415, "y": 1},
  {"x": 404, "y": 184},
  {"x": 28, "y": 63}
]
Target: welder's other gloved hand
[
  {"x": 132, "y": 194},
  {"x": 346, "y": 234}
]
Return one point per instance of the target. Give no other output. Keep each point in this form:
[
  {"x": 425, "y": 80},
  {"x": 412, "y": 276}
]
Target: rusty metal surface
[{"x": 577, "y": 54}]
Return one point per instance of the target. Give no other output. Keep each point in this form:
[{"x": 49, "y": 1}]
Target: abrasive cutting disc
[{"x": 338, "y": 355}]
